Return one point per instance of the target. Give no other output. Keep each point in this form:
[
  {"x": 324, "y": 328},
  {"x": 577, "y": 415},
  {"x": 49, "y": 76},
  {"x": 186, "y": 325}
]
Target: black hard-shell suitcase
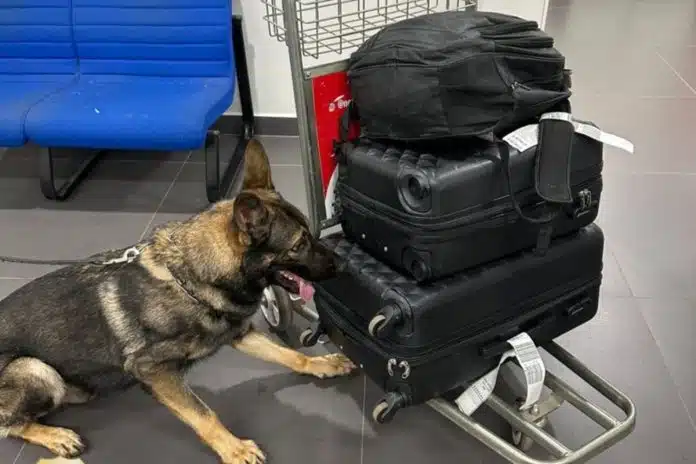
[
  {"x": 421, "y": 341},
  {"x": 432, "y": 214}
]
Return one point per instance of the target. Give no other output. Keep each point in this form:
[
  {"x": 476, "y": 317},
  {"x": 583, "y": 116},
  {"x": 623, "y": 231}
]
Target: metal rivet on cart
[
  {"x": 362, "y": 236},
  {"x": 385, "y": 249}
]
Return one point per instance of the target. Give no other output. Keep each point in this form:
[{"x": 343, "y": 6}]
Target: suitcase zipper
[
  {"x": 491, "y": 217},
  {"x": 356, "y": 333}
]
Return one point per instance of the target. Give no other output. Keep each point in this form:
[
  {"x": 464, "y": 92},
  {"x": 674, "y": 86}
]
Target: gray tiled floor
[{"x": 634, "y": 68}]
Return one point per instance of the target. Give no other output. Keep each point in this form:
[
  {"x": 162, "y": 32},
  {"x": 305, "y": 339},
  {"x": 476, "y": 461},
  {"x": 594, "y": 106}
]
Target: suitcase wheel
[
  {"x": 385, "y": 321},
  {"x": 385, "y": 410}
]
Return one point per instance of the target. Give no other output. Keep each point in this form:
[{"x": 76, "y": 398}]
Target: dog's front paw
[
  {"x": 330, "y": 365},
  {"x": 64, "y": 443},
  {"x": 246, "y": 452}
]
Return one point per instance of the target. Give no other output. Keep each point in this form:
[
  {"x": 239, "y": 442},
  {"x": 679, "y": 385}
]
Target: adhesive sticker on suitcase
[{"x": 532, "y": 365}]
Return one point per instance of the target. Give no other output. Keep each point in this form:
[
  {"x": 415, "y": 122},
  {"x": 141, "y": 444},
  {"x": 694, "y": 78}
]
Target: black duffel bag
[{"x": 455, "y": 74}]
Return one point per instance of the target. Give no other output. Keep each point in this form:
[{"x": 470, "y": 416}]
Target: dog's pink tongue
[{"x": 306, "y": 290}]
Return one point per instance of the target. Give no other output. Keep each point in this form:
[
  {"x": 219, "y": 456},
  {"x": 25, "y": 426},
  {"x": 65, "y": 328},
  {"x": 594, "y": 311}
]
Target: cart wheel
[
  {"x": 306, "y": 338},
  {"x": 277, "y": 308},
  {"x": 377, "y": 324},
  {"x": 522, "y": 441}
]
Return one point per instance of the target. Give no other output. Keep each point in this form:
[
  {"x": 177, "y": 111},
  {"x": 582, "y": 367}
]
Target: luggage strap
[
  {"x": 343, "y": 146},
  {"x": 545, "y": 220},
  {"x": 552, "y": 170}
]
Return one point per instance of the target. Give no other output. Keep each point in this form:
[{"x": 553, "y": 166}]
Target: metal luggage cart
[{"x": 313, "y": 29}]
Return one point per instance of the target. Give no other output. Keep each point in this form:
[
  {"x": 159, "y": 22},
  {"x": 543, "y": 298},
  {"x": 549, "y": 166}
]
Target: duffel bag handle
[
  {"x": 344, "y": 145},
  {"x": 544, "y": 219}
]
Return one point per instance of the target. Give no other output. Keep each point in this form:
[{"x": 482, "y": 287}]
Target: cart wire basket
[
  {"x": 337, "y": 26},
  {"x": 315, "y": 28}
]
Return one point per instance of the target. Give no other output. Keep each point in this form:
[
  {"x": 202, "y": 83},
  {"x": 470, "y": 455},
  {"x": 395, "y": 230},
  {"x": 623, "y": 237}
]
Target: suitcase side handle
[
  {"x": 534, "y": 328},
  {"x": 500, "y": 345}
]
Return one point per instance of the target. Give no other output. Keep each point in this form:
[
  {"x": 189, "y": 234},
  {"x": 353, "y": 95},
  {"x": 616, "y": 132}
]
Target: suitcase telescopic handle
[{"x": 385, "y": 321}]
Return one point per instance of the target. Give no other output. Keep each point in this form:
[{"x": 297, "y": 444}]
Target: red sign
[{"x": 331, "y": 97}]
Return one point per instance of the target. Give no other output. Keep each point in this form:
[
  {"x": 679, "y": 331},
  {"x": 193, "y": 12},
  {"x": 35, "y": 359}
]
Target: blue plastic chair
[
  {"x": 153, "y": 75},
  {"x": 37, "y": 58}
]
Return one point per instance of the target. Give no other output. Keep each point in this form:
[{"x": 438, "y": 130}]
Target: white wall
[
  {"x": 534, "y": 10},
  {"x": 269, "y": 65}
]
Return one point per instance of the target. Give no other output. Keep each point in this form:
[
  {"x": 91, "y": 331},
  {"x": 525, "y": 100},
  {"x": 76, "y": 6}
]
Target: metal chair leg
[
  {"x": 217, "y": 184},
  {"x": 47, "y": 175}
]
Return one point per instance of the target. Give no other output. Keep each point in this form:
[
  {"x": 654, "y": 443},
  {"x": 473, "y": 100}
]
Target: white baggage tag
[
  {"x": 527, "y": 137},
  {"x": 588, "y": 130},
  {"x": 527, "y": 354},
  {"x": 523, "y": 138}
]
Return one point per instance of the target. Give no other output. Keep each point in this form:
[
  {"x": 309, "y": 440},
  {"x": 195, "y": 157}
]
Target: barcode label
[
  {"x": 532, "y": 365},
  {"x": 527, "y": 354}
]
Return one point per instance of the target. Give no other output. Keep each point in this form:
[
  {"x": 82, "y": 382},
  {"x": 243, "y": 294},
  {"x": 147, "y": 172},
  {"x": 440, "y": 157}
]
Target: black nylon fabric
[{"x": 455, "y": 74}]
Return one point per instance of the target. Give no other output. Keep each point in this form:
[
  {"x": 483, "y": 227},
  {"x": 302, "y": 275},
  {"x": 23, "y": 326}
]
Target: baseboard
[{"x": 265, "y": 125}]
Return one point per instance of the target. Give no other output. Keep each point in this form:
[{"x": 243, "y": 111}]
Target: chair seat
[
  {"x": 17, "y": 95},
  {"x": 130, "y": 113}
]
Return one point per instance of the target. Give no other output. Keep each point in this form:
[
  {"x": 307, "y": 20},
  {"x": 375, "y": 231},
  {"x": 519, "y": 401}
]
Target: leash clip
[{"x": 128, "y": 256}]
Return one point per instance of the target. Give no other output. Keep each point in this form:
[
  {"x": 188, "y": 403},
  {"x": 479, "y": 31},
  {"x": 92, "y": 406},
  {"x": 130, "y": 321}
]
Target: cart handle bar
[{"x": 615, "y": 430}]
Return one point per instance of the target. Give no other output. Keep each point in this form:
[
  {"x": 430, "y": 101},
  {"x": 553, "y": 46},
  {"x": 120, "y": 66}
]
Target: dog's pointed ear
[
  {"x": 251, "y": 216},
  {"x": 257, "y": 168}
]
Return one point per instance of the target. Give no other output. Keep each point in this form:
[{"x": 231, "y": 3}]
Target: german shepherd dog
[{"x": 89, "y": 328}]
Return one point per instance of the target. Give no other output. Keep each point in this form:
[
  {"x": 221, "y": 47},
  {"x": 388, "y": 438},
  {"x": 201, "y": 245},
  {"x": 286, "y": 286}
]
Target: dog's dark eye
[{"x": 299, "y": 245}]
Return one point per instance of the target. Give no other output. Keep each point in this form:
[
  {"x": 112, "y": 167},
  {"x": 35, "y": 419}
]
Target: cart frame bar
[{"x": 615, "y": 430}]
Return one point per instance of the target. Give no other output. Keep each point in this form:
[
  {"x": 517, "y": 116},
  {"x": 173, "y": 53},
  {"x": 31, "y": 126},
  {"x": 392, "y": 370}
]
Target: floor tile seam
[
  {"x": 19, "y": 453},
  {"x": 164, "y": 197},
  {"x": 676, "y": 73},
  {"x": 113, "y": 160},
  {"x": 622, "y": 273},
  {"x": 669, "y": 371}
]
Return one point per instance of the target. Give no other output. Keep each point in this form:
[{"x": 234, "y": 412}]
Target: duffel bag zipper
[
  {"x": 524, "y": 42},
  {"x": 509, "y": 28},
  {"x": 358, "y": 334},
  {"x": 353, "y": 199}
]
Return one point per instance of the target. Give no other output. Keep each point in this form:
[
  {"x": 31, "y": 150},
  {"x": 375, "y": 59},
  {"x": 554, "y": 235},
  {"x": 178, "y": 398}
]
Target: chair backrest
[
  {"x": 166, "y": 38},
  {"x": 36, "y": 37}
]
